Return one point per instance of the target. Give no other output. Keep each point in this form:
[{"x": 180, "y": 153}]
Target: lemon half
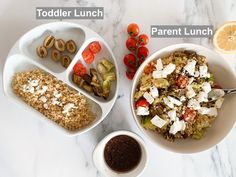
[{"x": 225, "y": 38}]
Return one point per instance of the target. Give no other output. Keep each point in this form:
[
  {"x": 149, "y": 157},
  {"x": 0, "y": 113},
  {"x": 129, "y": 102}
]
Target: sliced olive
[
  {"x": 71, "y": 46},
  {"x": 55, "y": 55},
  {"x": 49, "y": 41},
  {"x": 60, "y": 45},
  {"x": 42, "y": 51},
  {"x": 65, "y": 61}
]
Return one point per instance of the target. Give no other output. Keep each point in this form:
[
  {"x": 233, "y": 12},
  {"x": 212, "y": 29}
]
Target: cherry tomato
[
  {"x": 88, "y": 56},
  {"x": 142, "y": 52},
  {"x": 79, "y": 69},
  {"x": 131, "y": 44},
  {"x": 130, "y": 61},
  {"x": 189, "y": 114},
  {"x": 149, "y": 69},
  {"x": 133, "y": 29},
  {"x": 141, "y": 102},
  {"x": 143, "y": 39},
  {"x": 182, "y": 81},
  {"x": 130, "y": 73},
  {"x": 95, "y": 47}
]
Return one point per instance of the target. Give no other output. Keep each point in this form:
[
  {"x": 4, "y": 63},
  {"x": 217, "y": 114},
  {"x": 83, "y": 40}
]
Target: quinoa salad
[
  {"x": 177, "y": 96},
  {"x": 53, "y": 98}
]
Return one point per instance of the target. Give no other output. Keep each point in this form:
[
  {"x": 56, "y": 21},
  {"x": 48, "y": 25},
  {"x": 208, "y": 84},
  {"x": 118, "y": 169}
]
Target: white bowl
[
  {"x": 23, "y": 57},
  {"x": 226, "y": 118},
  {"x": 99, "y": 161}
]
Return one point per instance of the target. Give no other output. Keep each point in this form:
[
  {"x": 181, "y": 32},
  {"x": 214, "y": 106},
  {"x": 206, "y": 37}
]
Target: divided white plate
[{"x": 23, "y": 57}]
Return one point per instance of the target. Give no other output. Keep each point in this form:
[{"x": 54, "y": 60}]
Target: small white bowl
[
  {"x": 226, "y": 117},
  {"x": 99, "y": 161}
]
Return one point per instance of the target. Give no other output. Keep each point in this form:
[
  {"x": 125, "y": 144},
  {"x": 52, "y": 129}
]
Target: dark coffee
[{"x": 122, "y": 153}]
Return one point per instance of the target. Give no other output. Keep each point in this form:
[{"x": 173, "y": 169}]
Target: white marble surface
[{"x": 28, "y": 148}]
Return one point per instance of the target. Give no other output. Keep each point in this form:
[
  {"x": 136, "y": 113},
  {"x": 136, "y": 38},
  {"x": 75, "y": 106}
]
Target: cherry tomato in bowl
[
  {"x": 95, "y": 47},
  {"x": 142, "y": 52},
  {"x": 88, "y": 56},
  {"x": 133, "y": 29},
  {"x": 143, "y": 39},
  {"x": 131, "y": 44},
  {"x": 130, "y": 61}
]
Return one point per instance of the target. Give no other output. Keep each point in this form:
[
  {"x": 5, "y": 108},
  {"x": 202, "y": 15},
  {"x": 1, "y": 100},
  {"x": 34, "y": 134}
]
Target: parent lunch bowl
[
  {"x": 217, "y": 130},
  {"x": 25, "y": 64}
]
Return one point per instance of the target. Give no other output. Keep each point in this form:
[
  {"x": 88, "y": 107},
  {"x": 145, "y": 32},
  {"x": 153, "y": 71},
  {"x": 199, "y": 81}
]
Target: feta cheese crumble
[
  {"x": 206, "y": 87},
  {"x": 193, "y": 103},
  {"x": 172, "y": 115},
  {"x": 68, "y": 107},
  {"x": 142, "y": 111},
  {"x": 190, "y": 92},
  {"x": 177, "y": 126},
  {"x": 163, "y": 73},
  {"x": 148, "y": 97},
  {"x": 202, "y": 97},
  {"x": 174, "y": 100},
  {"x": 190, "y": 67},
  {"x": 168, "y": 102},
  {"x": 159, "y": 65},
  {"x": 157, "y": 121},
  {"x": 203, "y": 71},
  {"x": 43, "y": 99},
  {"x": 154, "y": 92}
]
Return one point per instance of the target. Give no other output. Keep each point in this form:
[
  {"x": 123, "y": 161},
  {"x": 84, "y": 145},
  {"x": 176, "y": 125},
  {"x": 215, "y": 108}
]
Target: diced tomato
[
  {"x": 149, "y": 69},
  {"x": 130, "y": 61},
  {"x": 88, "y": 56},
  {"x": 95, "y": 47},
  {"x": 79, "y": 69},
  {"x": 130, "y": 73},
  {"x": 182, "y": 81},
  {"x": 189, "y": 114},
  {"x": 141, "y": 102}
]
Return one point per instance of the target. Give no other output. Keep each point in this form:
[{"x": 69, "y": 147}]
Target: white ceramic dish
[
  {"x": 226, "y": 118},
  {"x": 99, "y": 161},
  {"x": 23, "y": 57}
]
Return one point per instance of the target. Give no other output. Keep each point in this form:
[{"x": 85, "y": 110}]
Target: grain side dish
[
  {"x": 177, "y": 96},
  {"x": 53, "y": 98}
]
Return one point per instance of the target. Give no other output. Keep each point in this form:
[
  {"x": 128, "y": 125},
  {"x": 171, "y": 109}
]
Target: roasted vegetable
[
  {"x": 101, "y": 68},
  {"x": 111, "y": 76},
  {"x": 146, "y": 123},
  {"x": 106, "y": 86},
  {"x": 108, "y": 65}
]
